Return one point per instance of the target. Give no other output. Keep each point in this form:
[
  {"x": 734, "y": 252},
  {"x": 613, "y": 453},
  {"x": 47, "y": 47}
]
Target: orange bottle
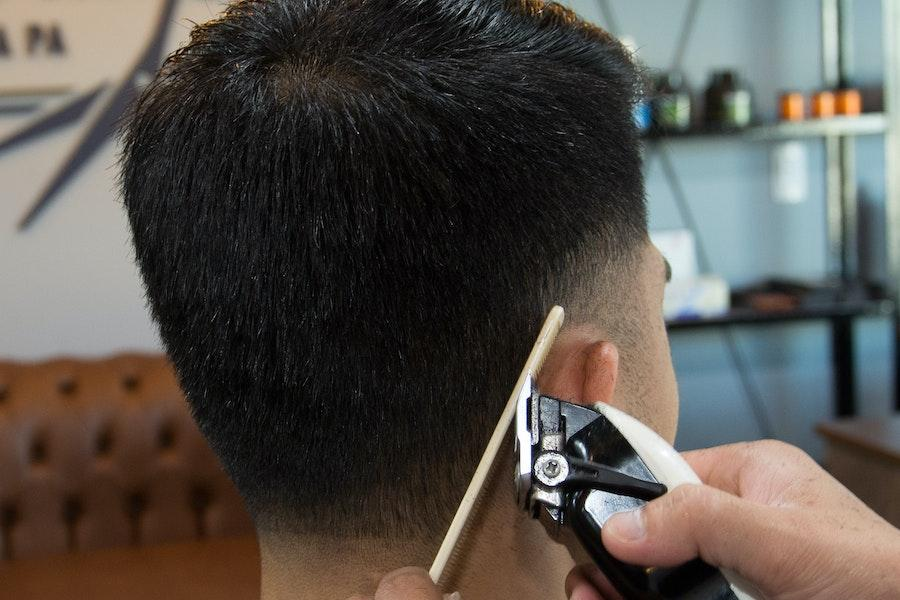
[
  {"x": 793, "y": 106},
  {"x": 823, "y": 105},
  {"x": 848, "y": 102}
]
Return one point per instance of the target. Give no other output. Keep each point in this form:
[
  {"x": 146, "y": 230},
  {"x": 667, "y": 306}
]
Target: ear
[
  {"x": 601, "y": 371},
  {"x": 581, "y": 371}
]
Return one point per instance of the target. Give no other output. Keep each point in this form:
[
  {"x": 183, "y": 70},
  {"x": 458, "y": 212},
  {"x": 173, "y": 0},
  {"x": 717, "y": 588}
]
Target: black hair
[{"x": 351, "y": 217}]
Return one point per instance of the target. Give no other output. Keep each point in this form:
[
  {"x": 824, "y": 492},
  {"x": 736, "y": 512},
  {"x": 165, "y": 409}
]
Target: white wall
[{"x": 68, "y": 284}]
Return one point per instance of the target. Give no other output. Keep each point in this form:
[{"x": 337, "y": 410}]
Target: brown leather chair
[{"x": 103, "y": 453}]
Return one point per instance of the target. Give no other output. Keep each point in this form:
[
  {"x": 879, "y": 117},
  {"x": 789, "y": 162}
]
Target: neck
[
  {"x": 505, "y": 554},
  {"x": 316, "y": 566}
]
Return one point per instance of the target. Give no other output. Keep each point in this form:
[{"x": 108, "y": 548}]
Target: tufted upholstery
[{"x": 103, "y": 453}]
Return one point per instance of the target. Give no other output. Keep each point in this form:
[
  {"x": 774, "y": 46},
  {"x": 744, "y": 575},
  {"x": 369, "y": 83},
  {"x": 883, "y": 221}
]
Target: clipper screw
[{"x": 551, "y": 468}]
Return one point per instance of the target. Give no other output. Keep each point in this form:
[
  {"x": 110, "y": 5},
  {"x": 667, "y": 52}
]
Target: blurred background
[
  {"x": 769, "y": 203},
  {"x": 758, "y": 198}
]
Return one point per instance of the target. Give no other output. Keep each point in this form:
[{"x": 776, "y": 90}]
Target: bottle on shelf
[
  {"x": 643, "y": 107},
  {"x": 643, "y": 114},
  {"x": 823, "y": 104},
  {"x": 793, "y": 106},
  {"x": 728, "y": 102},
  {"x": 848, "y": 102},
  {"x": 671, "y": 102}
]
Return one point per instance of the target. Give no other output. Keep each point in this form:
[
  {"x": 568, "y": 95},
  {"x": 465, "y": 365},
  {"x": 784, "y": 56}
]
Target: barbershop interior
[{"x": 770, "y": 139}]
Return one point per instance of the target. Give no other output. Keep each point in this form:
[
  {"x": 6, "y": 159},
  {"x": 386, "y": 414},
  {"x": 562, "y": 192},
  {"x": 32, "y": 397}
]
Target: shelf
[
  {"x": 817, "y": 312},
  {"x": 866, "y": 124}
]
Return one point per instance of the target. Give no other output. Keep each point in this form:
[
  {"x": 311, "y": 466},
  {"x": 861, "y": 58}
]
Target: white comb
[{"x": 469, "y": 503}]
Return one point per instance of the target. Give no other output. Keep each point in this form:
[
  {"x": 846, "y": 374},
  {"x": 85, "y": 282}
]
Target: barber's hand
[
  {"x": 409, "y": 583},
  {"x": 770, "y": 514}
]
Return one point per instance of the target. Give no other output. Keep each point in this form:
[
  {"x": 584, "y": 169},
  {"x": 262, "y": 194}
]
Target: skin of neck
[{"x": 503, "y": 554}]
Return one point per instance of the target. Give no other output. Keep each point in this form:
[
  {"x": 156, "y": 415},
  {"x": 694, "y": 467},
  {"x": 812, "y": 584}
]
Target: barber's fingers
[
  {"x": 691, "y": 521},
  {"x": 408, "y": 584},
  {"x": 587, "y": 582}
]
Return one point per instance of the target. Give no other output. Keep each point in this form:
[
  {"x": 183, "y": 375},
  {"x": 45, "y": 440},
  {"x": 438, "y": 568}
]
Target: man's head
[{"x": 351, "y": 218}]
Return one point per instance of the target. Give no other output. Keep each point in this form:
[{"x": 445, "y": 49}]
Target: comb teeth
[{"x": 470, "y": 501}]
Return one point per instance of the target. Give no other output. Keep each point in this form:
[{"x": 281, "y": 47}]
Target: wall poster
[{"x": 68, "y": 69}]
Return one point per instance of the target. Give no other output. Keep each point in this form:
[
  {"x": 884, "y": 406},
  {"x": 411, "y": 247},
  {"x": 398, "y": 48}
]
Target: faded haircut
[{"x": 351, "y": 217}]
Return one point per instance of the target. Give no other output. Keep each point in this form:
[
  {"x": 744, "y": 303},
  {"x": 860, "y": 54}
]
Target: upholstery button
[
  {"x": 166, "y": 437},
  {"x": 9, "y": 516},
  {"x": 38, "y": 453},
  {"x": 135, "y": 504},
  {"x": 103, "y": 445},
  {"x": 67, "y": 386},
  {"x": 201, "y": 498},
  {"x": 72, "y": 510},
  {"x": 131, "y": 382}
]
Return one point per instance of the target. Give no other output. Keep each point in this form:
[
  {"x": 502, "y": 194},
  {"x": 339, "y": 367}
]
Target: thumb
[
  {"x": 691, "y": 521},
  {"x": 408, "y": 584}
]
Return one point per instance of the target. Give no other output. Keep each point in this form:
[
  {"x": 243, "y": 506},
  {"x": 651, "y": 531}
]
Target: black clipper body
[{"x": 575, "y": 469}]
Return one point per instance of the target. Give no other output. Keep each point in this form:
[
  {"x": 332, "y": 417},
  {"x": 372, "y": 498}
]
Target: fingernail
[
  {"x": 627, "y": 526},
  {"x": 453, "y": 596}
]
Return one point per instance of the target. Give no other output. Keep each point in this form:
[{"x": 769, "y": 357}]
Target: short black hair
[{"x": 351, "y": 217}]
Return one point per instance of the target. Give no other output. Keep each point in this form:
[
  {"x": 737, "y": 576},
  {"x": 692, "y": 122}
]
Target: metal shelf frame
[{"x": 891, "y": 41}]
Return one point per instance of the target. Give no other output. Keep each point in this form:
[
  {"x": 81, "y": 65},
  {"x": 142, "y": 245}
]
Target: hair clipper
[{"x": 576, "y": 466}]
